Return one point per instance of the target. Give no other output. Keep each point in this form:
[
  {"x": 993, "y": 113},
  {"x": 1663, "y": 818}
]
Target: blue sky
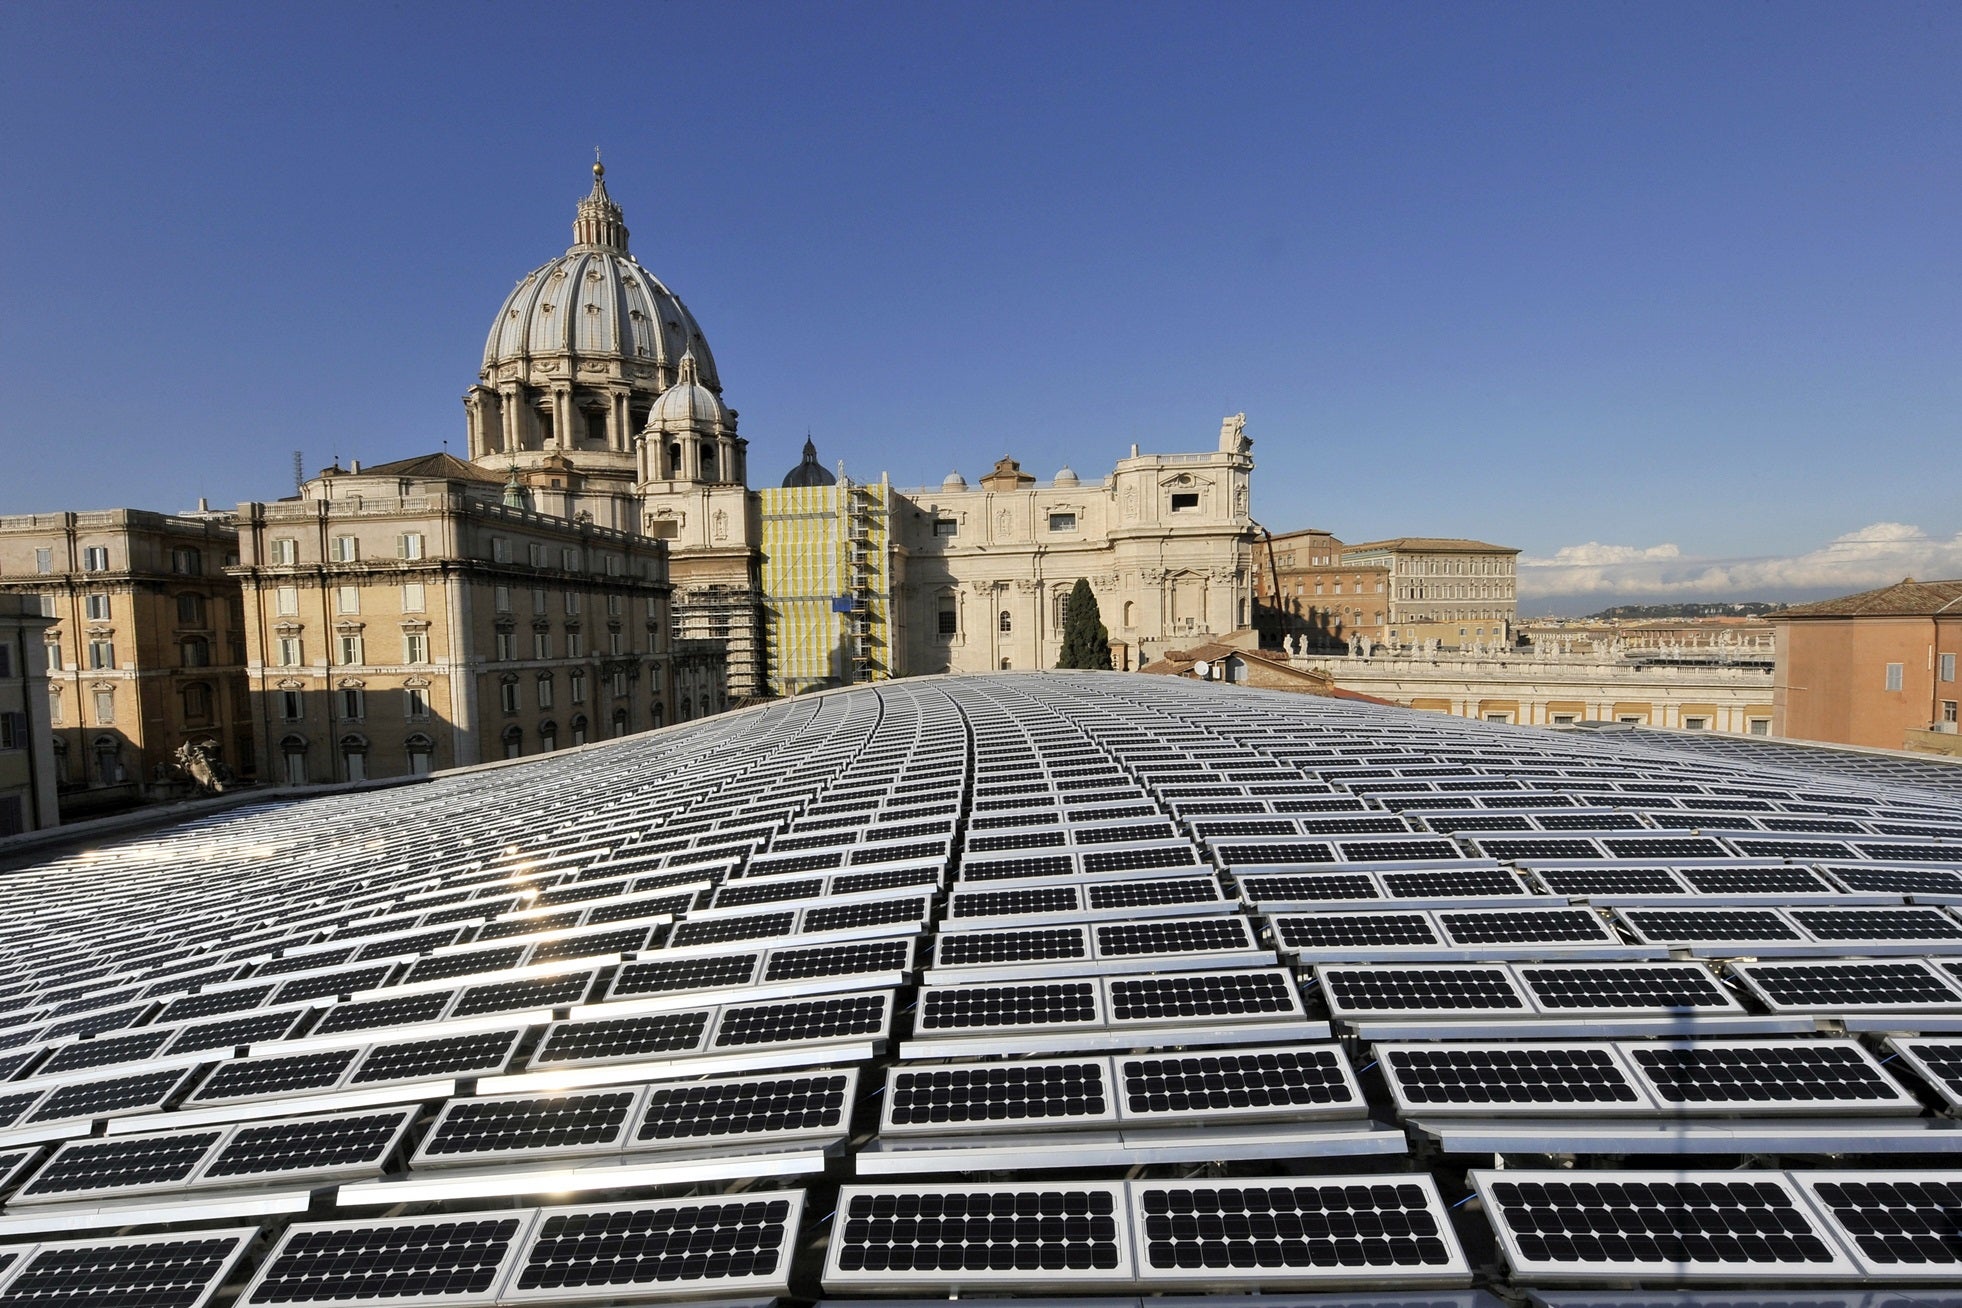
[{"x": 1674, "y": 289}]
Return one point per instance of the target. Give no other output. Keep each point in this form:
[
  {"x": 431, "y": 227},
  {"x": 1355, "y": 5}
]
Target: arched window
[
  {"x": 619, "y": 722},
  {"x": 660, "y": 714},
  {"x": 1130, "y": 613},
  {"x": 1004, "y": 623},
  {"x": 708, "y": 461},
  {"x": 354, "y": 756},
  {"x": 421, "y": 750},
  {"x": 707, "y": 706},
  {"x": 108, "y": 761},
  {"x": 514, "y": 742},
  {"x": 293, "y": 751},
  {"x": 548, "y": 736},
  {"x": 673, "y": 470},
  {"x": 579, "y": 730}
]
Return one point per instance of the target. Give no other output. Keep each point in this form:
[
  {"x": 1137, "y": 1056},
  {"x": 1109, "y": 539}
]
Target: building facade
[
  {"x": 1306, "y": 593},
  {"x": 827, "y": 563},
  {"x": 27, "y": 761},
  {"x": 146, "y": 653},
  {"x": 405, "y": 618},
  {"x": 1878, "y": 668},
  {"x": 1459, "y": 593}
]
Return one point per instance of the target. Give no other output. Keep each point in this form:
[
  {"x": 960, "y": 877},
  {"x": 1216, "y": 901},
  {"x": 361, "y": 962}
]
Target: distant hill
[{"x": 1651, "y": 612}]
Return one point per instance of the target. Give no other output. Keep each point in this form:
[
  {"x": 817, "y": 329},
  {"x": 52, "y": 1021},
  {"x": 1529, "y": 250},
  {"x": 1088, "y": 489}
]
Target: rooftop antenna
[{"x": 299, "y": 473}]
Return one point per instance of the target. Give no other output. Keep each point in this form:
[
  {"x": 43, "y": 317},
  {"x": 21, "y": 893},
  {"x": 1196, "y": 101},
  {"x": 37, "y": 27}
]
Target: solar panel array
[{"x": 1082, "y": 987}]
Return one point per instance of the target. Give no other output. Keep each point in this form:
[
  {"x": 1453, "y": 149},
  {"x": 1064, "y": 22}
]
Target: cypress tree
[{"x": 1086, "y": 644}]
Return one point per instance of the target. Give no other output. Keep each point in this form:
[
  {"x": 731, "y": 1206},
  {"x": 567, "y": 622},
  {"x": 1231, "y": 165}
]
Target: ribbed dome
[
  {"x": 953, "y": 481},
  {"x": 810, "y": 472},
  {"x": 688, "y": 405},
  {"x": 1066, "y": 477},
  {"x": 596, "y": 301}
]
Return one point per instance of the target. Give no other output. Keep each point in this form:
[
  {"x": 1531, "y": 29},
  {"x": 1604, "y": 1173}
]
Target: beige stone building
[
  {"x": 1460, "y": 593},
  {"x": 147, "y": 650},
  {"x": 1305, "y": 592},
  {"x": 1877, "y": 669},
  {"x": 27, "y": 762},
  {"x": 1165, "y": 542},
  {"x": 405, "y": 618}
]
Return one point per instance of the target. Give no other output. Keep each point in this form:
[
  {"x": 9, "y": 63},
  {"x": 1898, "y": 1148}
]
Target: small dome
[
  {"x": 688, "y": 405},
  {"x": 810, "y": 472},
  {"x": 1066, "y": 477},
  {"x": 954, "y": 482}
]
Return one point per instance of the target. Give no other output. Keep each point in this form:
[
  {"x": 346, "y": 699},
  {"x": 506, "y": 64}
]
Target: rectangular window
[
  {"x": 572, "y": 601},
  {"x": 290, "y": 653},
  {"x": 1062, "y": 522},
  {"x": 415, "y": 702},
  {"x": 190, "y": 610},
  {"x": 1185, "y": 501},
  {"x": 1696, "y": 724},
  {"x": 578, "y": 680},
  {"x": 408, "y": 545},
  {"x": 666, "y": 529},
  {"x": 351, "y": 702},
  {"x": 349, "y": 646},
  {"x": 507, "y": 695},
  {"x": 105, "y": 707},
  {"x": 545, "y": 693},
  {"x": 946, "y": 527},
  {"x": 282, "y": 551},
  {"x": 612, "y": 565},
  {"x": 541, "y": 644},
  {"x": 44, "y": 561},
  {"x": 415, "y": 647},
  {"x": 1948, "y": 667},
  {"x": 505, "y": 652},
  {"x": 286, "y": 601},
  {"x": 344, "y": 549},
  {"x": 613, "y": 606},
  {"x": 1948, "y": 711},
  {"x": 96, "y": 607},
  {"x": 347, "y": 599},
  {"x": 54, "y": 708},
  {"x": 13, "y": 730},
  {"x": 412, "y": 597},
  {"x": 500, "y": 550},
  {"x": 614, "y": 643},
  {"x": 1759, "y": 726},
  {"x": 535, "y": 554},
  {"x": 187, "y": 562},
  {"x": 575, "y": 645},
  {"x": 6, "y": 662},
  {"x": 291, "y": 706},
  {"x": 1894, "y": 675},
  {"x": 501, "y": 599},
  {"x": 569, "y": 559},
  {"x": 619, "y": 682},
  {"x": 102, "y": 654},
  {"x": 95, "y": 558},
  {"x": 948, "y": 617},
  {"x": 538, "y": 605}
]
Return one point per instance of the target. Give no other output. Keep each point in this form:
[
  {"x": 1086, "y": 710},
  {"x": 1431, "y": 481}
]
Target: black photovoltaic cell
[
  {"x": 874, "y": 912},
  {"x": 1661, "y": 985},
  {"x": 1026, "y": 945},
  {"x": 303, "y": 988},
  {"x": 799, "y": 1020},
  {"x": 1451, "y": 881},
  {"x": 94, "y": 1165},
  {"x": 1375, "y": 1226},
  {"x": 1013, "y": 869},
  {"x": 739, "y": 893},
  {"x": 630, "y": 910},
  {"x": 1911, "y": 1223},
  {"x": 308, "y": 962},
  {"x": 710, "y": 1110},
  {"x": 576, "y": 1120},
  {"x": 269, "y": 1150},
  {"x": 1210, "y": 994},
  {"x": 536, "y": 992},
  {"x": 99, "y": 1053},
  {"x": 1753, "y": 880},
  {"x": 854, "y": 883},
  {"x": 1543, "y": 925},
  {"x": 95, "y": 1098},
  {"x": 1147, "y": 894},
  {"x": 1046, "y": 1229},
  {"x": 372, "y": 1014},
  {"x": 212, "y": 1003},
  {"x": 592, "y": 944},
  {"x": 715, "y": 931},
  {"x": 1899, "y": 881},
  {"x": 1745, "y": 1074},
  {"x": 954, "y": 1008},
  {"x": 659, "y": 976},
  {"x": 1179, "y": 935},
  {"x": 1745, "y": 1225},
  {"x": 1008, "y": 903},
  {"x": 1660, "y": 846},
  {"x": 998, "y": 1094},
  {"x": 381, "y": 1261},
  {"x": 1497, "y": 1074},
  {"x": 1232, "y": 1082},
  {"x": 1402, "y": 989},
  {"x": 1609, "y": 881},
  {"x": 1131, "y": 860},
  {"x": 129, "y": 1272},
  {"x": 1282, "y": 888},
  {"x": 479, "y": 1052},
  {"x": 1349, "y": 930},
  {"x": 12, "y": 1106},
  {"x": 1878, "y": 923},
  {"x": 1276, "y": 853},
  {"x": 621, "y": 1037},
  {"x": 1851, "y": 984},
  {"x": 528, "y": 926},
  {"x": 1696, "y": 924},
  {"x": 672, "y": 1245},
  {"x": 839, "y": 960},
  {"x": 276, "y": 1075},
  {"x": 438, "y": 967}
]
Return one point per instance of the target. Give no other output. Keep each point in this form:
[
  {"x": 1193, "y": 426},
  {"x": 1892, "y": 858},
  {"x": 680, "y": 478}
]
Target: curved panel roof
[{"x": 1079, "y": 987}]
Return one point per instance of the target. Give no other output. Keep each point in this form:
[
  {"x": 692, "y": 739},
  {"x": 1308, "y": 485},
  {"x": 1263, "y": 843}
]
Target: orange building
[
  {"x": 1875, "y": 669},
  {"x": 1302, "y": 588}
]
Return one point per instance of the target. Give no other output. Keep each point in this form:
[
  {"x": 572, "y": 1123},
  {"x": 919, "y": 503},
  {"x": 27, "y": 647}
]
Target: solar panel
[
  {"x": 1813, "y": 1076},
  {"x": 341, "y": 1145},
  {"x": 1197, "y": 996},
  {"x": 276, "y": 1074},
  {"x": 994, "y": 1096},
  {"x": 1898, "y": 985},
  {"x": 663, "y": 1247},
  {"x": 1469, "y": 989},
  {"x": 476, "y": 1053},
  {"x": 128, "y": 1165},
  {"x": 457, "y": 1259},
  {"x": 1354, "y": 931},
  {"x": 1017, "y": 945},
  {"x": 1624, "y": 988},
  {"x": 1897, "y": 1225},
  {"x": 746, "y": 1109},
  {"x": 1260, "y": 1084},
  {"x": 111, "y": 1096},
  {"x": 1521, "y": 1076},
  {"x": 970, "y": 1009},
  {"x": 1525, "y": 926},
  {"x": 1705, "y": 925},
  {"x": 1069, "y": 1233},
  {"x": 478, "y": 1130},
  {"x": 1937, "y": 1060},
  {"x": 1560, "y": 1228},
  {"x": 802, "y": 1021},
  {"x": 616, "y": 1039},
  {"x": 181, "y": 1270}
]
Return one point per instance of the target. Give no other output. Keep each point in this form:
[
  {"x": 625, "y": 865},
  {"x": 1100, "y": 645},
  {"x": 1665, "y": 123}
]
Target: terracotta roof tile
[{"x": 1906, "y": 598}]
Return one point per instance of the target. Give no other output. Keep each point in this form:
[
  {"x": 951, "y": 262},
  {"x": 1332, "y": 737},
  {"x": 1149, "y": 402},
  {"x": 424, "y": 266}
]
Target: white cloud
[{"x": 1875, "y": 555}]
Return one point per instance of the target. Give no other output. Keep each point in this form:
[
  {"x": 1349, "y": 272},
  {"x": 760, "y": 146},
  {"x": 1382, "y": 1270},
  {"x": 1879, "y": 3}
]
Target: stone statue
[{"x": 200, "y": 764}]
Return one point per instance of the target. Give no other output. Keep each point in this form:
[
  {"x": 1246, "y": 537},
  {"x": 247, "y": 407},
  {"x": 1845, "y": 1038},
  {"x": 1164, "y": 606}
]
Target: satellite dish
[{"x": 1203, "y": 670}]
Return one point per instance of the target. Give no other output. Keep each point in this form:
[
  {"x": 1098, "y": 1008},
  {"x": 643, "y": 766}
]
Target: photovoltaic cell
[
  {"x": 426, "y": 1260},
  {"x": 153, "y": 1271},
  {"x": 472, "y": 1129},
  {"x": 997, "y": 1095},
  {"x": 1375, "y": 1230},
  {"x": 670, "y": 1246}
]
